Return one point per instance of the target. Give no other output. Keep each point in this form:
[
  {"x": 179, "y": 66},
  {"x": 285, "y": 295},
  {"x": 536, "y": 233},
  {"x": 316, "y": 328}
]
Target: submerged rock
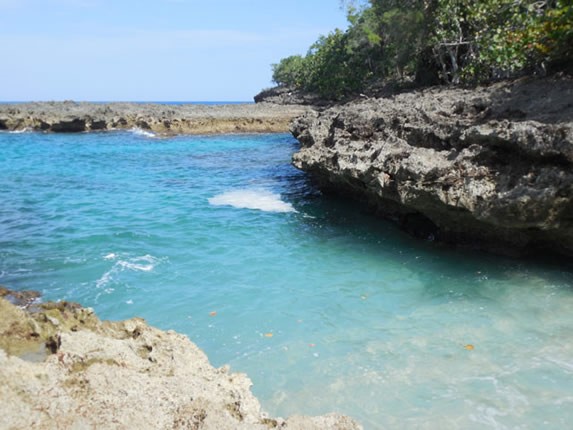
[
  {"x": 489, "y": 168},
  {"x": 61, "y": 367}
]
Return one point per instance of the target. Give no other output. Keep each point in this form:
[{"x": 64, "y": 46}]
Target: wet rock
[
  {"x": 22, "y": 299},
  {"x": 74, "y": 125}
]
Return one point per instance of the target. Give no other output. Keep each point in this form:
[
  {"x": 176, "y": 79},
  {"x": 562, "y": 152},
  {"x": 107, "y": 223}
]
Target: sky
[{"x": 153, "y": 50}]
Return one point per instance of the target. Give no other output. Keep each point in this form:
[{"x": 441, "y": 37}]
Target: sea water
[{"x": 325, "y": 307}]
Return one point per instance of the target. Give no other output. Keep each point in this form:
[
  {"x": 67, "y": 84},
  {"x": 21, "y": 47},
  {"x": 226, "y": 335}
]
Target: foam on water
[
  {"x": 260, "y": 199},
  {"x": 145, "y": 263},
  {"x": 140, "y": 132},
  {"x": 24, "y": 130}
]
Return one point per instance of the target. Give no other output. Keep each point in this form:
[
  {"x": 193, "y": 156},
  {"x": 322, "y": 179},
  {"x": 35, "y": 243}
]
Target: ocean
[{"x": 325, "y": 307}]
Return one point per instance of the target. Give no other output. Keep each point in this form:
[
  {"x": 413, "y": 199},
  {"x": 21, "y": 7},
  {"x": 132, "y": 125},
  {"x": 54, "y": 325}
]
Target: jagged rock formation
[
  {"x": 490, "y": 168},
  {"x": 72, "y": 117},
  {"x": 282, "y": 95},
  {"x": 63, "y": 368}
]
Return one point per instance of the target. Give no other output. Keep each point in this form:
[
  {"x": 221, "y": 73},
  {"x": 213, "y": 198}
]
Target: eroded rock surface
[
  {"x": 489, "y": 168},
  {"x": 63, "y": 368},
  {"x": 284, "y": 95},
  {"x": 71, "y": 117}
]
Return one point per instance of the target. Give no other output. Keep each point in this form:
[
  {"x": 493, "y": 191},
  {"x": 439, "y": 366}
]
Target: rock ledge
[
  {"x": 488, "y": 168},
  {"x": 72, "y": 117}
]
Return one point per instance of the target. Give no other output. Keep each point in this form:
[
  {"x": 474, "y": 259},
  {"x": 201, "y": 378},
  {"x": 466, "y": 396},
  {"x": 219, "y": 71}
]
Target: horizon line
[{"x": 125, "y": 101}]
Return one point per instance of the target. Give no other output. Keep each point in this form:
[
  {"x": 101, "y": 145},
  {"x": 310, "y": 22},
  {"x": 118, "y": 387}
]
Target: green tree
[
  {"x": 449, "y": 41},
  {"x": 289, "y": 71}
]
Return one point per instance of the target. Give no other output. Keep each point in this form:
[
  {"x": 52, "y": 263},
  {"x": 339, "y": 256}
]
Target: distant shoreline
[
  {"x": 142, "y": 102},
  {"x": 160, "y": 117}
]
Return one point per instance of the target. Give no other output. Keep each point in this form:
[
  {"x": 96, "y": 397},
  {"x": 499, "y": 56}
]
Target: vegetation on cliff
[{"x": 434, "y": 41}]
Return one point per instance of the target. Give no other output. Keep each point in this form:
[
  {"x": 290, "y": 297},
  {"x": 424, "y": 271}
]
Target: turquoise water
[{"x": 325, "y": 307}]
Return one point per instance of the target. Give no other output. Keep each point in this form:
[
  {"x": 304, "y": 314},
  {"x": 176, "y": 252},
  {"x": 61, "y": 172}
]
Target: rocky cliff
[
  {"x": 488, "y": 168},
  {"x": 63, "y": 368},
  {"x": 62, "y": 117}
]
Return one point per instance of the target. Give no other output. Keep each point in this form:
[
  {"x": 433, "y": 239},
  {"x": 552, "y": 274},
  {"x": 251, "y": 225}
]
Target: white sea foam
[
  {"x": 145, "y": 263},
  {"x": 141, "y": 132},
  {"x": 24, "y": 130},
  {"x": 138, "y": 263},
  {"x": 105, "y": 278},
  {"x": 136, "y": 267},
  {"x": 263, "y": 200}
]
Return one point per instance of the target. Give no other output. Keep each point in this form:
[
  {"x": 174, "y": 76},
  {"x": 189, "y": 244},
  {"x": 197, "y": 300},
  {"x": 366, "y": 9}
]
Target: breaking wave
[
  {"x": 141, "y": 132},
  {"x": 262, "y": 200}
]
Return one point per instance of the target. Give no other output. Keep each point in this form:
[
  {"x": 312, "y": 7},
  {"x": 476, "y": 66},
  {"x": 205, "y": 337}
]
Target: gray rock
[
  {"x": 283, "y": 95},
  {"x": 72, "y": 117},
  {"x": 489, "y": 168}
]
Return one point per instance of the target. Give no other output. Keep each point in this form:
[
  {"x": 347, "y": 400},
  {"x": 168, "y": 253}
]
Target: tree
[
  {"x": 289, "y": 71},
  {"x": 447, "y": 41}
]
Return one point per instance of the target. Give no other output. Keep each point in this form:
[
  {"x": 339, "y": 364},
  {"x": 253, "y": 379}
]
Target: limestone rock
[
  {"x": 70, "y": 117},
  {"x": 284, "y": 95},
  {"x": 84, "y": 373},
  {"x": 489, "y": 168}
]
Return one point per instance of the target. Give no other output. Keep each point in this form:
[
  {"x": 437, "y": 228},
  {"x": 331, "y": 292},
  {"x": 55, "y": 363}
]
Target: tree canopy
[{"x": 434, "y": 41}]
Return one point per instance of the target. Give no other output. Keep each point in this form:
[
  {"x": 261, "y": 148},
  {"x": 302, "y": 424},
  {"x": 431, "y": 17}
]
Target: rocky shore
[
  {"x": 69, "y": 117},
  {"x": 488, "y": 168},
  {"x": 63, "y": 368}
]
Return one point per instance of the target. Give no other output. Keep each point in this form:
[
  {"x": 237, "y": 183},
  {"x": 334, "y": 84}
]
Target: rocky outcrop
[
  {"x": 61, "y": 367},
  {"x": 72, "y": 117},
  {"x": 283, "y": 95},
  {"x": 488, "y": 168}
]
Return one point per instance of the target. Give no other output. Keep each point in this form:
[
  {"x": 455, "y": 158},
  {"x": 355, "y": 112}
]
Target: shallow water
[{"x": 326, "y": 308}]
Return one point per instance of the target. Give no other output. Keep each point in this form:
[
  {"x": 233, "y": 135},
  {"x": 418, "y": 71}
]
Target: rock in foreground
[
  {"x": 489, "y": 168},
  {"x": 61, "y": 367}
]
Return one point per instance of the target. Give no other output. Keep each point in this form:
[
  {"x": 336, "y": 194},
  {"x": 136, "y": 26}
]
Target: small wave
[
  {"x": 263, "y": 200},
  {"x": 24, "y": 130},
  {"x": 145, "y": 263},
  {"x": 141, "y": 132},
  {"x": 136, "y": 267},
  {"x": 138, "y": 263},
  {"x": 105, "y": 279}
]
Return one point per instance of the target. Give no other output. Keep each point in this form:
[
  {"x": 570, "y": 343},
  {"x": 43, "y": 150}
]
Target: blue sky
[{"x": 207, "y": 50}]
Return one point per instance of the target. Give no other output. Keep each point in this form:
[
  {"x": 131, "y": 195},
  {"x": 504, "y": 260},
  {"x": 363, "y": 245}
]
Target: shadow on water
[{"x": 444, "y": 269}]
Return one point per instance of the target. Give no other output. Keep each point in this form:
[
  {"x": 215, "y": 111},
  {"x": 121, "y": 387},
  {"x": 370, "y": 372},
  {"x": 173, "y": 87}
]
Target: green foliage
[
  {"x": 289, "y": 71},
  {"x": 450, "y": 41},
  {"x": 499, "y": 38},
  {"x": 331, "y": 68},
  {"x": 551, "y": 38}
]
